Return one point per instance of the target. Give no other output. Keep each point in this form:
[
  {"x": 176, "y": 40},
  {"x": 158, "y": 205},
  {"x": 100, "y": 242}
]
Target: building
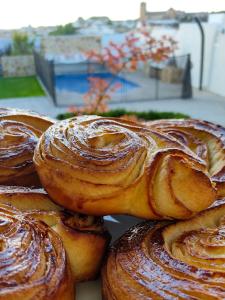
[
  {"x": 170, "y": 14},
  {"x": 143, "y": 12},
  {"x": 158, "y": 15}
]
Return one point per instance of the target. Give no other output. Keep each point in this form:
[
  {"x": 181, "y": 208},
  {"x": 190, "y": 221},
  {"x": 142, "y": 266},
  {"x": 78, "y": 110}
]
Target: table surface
[{"x": 117, "y": 225}]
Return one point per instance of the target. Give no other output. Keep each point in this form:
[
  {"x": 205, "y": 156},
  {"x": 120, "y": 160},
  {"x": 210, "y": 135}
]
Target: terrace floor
[{"x": 204, "y": 105}]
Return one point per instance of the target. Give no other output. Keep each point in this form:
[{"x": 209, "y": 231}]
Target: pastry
[
  {"x": 19, "y": 133},
  {"x": 34, "y": 119},
  {"x": 84, "y": 237},
  {"x": 206, "y": 139},
  {"x": 33, "y": 262},
  {"x": 101, "y": 166},
  {"x": 185, "y": 260}
]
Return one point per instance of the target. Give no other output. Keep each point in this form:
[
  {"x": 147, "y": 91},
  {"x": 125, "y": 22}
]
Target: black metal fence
[
  {"x": 45, "y": 72},
  {"x": 170, "y": 79}
]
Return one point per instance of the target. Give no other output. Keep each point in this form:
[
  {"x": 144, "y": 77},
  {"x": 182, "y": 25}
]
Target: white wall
[
  {"x": 189, "y": 41},
  {"x": 216, "y": 82}
]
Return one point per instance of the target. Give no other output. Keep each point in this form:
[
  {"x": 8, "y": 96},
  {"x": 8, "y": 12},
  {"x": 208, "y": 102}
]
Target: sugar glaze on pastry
[
  {"x": 102, "y": 166},
  {"x": 185, "y": 260}
]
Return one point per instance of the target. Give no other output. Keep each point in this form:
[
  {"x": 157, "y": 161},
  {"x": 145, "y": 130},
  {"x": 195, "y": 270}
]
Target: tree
[
  {"x": 139, "y": 47},
  {"x": 95, "y": 100},
  {"x": 67, "y": 29},
  {"x": 21, "y": 44}
]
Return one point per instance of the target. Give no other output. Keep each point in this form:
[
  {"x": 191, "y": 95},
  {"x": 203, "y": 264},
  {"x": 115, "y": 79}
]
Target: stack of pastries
[
  {"x": 87, "y": 167},
  {"x": 44, "y": 248}
]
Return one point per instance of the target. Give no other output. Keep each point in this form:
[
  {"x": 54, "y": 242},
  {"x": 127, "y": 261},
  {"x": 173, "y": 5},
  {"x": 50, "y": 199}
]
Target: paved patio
[{"x": 204, "y": 105}]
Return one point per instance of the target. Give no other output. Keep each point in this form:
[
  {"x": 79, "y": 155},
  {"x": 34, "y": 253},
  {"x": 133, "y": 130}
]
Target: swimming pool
[{"x": 79, "y": 82}]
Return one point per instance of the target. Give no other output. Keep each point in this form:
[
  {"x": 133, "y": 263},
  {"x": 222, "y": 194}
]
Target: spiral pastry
[
  {"x": 206, "y": 139},
  {"x": 84, "y": 237},
  {"x": 101, "y": 166},
  {"x": 33, "y": 263},
  {"x": 185, "y": 260},
  {"x": 34, "y": 119},
  {"x": 19, "y": 134}
]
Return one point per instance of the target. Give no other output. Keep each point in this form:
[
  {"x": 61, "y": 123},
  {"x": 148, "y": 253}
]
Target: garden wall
[
  {"x": 18, "y": 66},
  {"x": 69, "y": 48}
]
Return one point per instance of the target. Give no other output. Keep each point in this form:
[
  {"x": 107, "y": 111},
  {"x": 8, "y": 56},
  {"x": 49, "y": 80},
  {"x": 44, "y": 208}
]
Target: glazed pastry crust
[
  {"x": 185, "y": 260},
  {"x": 205, "y": 139},
  {"x": 102, "y": 166},
  {"x": 19, "y": 134},
  {"x": 84, "y": 237},
  {"x": 33, "y": 261}
]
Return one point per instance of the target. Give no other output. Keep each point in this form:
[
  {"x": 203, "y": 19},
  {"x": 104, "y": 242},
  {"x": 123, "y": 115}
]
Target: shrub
[
  {"x": 67, "y": 29},
  {"x": 21, "y": 44},
  {"x": 145, "y": 115}
]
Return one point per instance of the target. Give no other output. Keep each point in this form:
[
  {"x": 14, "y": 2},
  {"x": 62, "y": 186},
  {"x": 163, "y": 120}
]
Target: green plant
[
  {"x": 21, "y": 44},
  {"x": 67, "y": 29},
  {"x": 145, "y": 115}
]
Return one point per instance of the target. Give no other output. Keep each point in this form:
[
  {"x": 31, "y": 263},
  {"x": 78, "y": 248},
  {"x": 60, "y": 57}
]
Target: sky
[{"x": 18, "y": 13}]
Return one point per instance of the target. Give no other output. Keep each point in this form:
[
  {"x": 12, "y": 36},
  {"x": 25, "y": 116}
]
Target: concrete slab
[{"x": 204, "y": 105}]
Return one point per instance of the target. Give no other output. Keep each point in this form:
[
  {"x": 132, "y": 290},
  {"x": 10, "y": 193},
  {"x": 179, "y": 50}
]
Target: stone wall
[
  {"x": 69, "y": 47},
  {"x": 18, "y": 66}
]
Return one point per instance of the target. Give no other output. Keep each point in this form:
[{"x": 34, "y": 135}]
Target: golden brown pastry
[
  {"x": 19, "y": 134},
  {"x": 206, "y": 139},
  {"x": 33, "y": 262},
  {"x": 25, "y": 116},
  {"x": 156, "y": 261},
  {"x": 84, "y": 237},
  {"x": 102, "y": 166}
]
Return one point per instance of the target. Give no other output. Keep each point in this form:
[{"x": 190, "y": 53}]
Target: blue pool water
[{"x": 79, "y": 82}]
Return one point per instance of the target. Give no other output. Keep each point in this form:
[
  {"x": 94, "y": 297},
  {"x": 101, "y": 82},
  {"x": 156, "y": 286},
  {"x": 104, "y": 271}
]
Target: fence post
[
  {"x": 52, "y": 76},
  {"x": 197, "y": 20},
  {"x": 157, "y": 83},
  {"x": 186, "y": 84}
]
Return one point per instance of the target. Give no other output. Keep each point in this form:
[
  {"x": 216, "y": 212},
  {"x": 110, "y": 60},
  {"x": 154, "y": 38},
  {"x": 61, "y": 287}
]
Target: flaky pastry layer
[
  {"x": 102, "y": 166},
  {"x": 33, "y": 262},
  {"x": 185, "y": 260},
  {"x": 84, "y": 237},
  {"x": 19, "y": 133}
]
